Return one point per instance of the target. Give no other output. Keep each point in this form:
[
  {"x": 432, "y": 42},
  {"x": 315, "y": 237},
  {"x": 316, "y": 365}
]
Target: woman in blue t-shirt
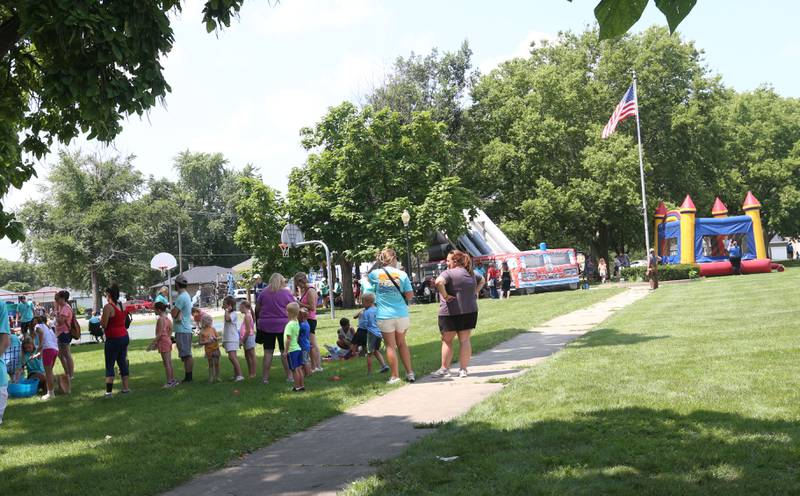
[{"x": 392, "y": 289}]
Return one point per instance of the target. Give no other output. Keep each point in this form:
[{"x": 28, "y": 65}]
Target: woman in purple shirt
[
  {"x": 458, "y": 288},
  {"x": 272, "y": 319}
]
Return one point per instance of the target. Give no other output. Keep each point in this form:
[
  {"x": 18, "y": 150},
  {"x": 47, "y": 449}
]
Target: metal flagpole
[{"x": 641, "y": 170}]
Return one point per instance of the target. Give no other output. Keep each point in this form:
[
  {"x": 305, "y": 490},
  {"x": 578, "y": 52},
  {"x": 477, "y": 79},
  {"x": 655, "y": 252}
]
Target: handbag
[
  {"x": 74, "y": 328},
  {"x": 394, "y": 283}
]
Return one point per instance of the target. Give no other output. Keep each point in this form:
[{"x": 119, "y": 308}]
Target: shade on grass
[
  {"x": 153, "y": 439},
  {"x": 692, "y": 390}
]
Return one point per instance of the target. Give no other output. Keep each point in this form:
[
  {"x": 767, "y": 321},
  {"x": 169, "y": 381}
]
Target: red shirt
[
  {"x": 116, "y": 324},
  {"x": 493, "y": 273}
]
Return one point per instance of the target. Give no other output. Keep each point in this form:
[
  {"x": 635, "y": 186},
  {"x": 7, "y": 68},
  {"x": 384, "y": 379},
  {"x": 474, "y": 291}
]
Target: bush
[{"x": 665, "y": 272}]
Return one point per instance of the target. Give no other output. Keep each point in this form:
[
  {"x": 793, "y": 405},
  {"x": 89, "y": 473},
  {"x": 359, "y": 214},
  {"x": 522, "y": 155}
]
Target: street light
[{"x": 406, "y": 217}]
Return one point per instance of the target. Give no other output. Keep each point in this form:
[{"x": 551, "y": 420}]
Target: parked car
[
  {"x": 240, "y": 294},
  {"x": 134, "y": 306}
]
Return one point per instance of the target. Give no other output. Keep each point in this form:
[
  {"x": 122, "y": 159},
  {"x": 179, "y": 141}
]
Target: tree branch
[{"x": 9, "y": 34}]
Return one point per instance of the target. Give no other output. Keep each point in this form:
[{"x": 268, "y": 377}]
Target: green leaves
[
  {"x": 616, "y": 17},
  {"x": 675, "y": 11}
]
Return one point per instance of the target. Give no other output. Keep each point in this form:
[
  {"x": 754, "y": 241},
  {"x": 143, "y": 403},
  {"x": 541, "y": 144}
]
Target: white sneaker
[
  {"x": 47, "y": 397},
  {"x": 394, "y": 380},
  {"x": 410, "y": 377},
  {"x": 239, "y": 378},
  {"x": 318, "y": 369},
  {"x": 442, "y": 372},
  {"x": 462, "y": 373}
]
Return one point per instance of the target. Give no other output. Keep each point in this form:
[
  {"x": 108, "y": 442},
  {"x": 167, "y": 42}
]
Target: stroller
[{"x": 95, "y": 329}]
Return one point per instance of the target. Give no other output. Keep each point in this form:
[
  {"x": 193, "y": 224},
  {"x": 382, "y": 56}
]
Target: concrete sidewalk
[{"x": 340, "y": 449}]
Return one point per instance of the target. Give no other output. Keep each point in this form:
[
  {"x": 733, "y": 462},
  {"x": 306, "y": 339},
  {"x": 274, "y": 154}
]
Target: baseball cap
[{"x": 180, "y": 279}]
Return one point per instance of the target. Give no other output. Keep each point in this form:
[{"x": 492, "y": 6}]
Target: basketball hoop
[
  {"x": 284, "y": 249},
  {"x": 163, "y": 269}
]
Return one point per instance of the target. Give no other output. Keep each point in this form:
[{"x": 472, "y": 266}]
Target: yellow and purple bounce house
[{"x": 682, "y": 237}]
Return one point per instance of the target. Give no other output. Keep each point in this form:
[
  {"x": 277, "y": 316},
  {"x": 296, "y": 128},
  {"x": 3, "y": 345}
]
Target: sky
[{"x": 247, "y": 90}]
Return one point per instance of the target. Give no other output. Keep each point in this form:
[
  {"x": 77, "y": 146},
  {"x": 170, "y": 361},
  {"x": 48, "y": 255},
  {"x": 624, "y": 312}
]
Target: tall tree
[
  {"x": 20, "y": 276},
  {"x": 367, "y": 167},
  {"x": 207, "y": 191},
  {"x": 437, "y": 83},
  {"x": 79, "y": 228},
  {"x": 535, "y": 128},
  {"x": 262, "y": 215},
  {"x": 79, "y": 66}
]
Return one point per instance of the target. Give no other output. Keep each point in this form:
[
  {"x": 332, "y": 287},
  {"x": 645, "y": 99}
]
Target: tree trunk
[
  {"x": 9, "y": 34},
  {"x": 95, "y": 290},
  {"x": 600, "y": 243},
  {"x": 347, "y": 283}
]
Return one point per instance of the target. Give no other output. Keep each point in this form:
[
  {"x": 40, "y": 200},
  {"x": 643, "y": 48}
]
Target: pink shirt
[
  {"x": 247, "y": 326},
  {"x": 312, "y": 313},
  {"x": 66, "y": 312}
]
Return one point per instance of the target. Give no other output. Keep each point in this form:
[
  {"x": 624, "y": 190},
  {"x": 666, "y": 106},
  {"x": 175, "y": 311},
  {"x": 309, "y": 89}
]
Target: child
[
  {"x": 294, "y": 353},
  {"x": 368, "y": 319},
  {"x": 345, "y": 334},
  {"x": 230, "y": 335},
  {"x": 304, "y": 339},
  {"x": 248, "y": 338},
  {"x": 210, "y": 339},
  {"x": 33, "y": 362},
  {"x": 48, "y": 350},
  {"x": 163, "y": 342}
]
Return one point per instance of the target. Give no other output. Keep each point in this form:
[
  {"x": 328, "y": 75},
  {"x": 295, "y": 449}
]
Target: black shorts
[
  {"x": 270, "y": 338},
  {"x": 360, "y": 338},
  {"x": 312, "y": 323},
  {"x": 64, "y": 340},
  {"x": 506, "y": 285},
  {"x": 453, "y": 323},
  {"x": 26, "y": 327}
]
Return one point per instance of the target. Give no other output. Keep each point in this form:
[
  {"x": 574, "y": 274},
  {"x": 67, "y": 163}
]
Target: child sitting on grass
[
  {"x": 368, "y": 320},
  {"x": 32, "y": 361},
  {"x": 210, "y": 339},
  {"x": 248, "y": 338},
  {"x": 230, "y": 336},
  {"x": 345, "y": 334},
  {"x": 294, "y": 354},
  {"x": 163, "y": 342}
]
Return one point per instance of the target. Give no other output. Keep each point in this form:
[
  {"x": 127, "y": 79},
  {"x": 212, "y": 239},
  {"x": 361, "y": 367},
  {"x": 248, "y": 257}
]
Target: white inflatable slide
[{"x": 484, "y": 237}]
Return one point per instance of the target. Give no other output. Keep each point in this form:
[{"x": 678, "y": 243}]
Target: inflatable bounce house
[{"x": 681, "y": 237}]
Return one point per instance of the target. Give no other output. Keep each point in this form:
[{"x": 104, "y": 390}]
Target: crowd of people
[{"x": 281, "y": 317}]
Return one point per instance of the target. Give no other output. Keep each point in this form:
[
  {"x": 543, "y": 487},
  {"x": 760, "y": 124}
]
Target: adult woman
[
  {"x": 505, "y": 278},
  {"x": 272, "y": 319},
  {"x": 458, "y": 288},
  {"x": 307, "y": 297},
  {"x": 63, "y": 316},
  {"x": 392, "y": 290},
  {"x": 116, "y": 345}
]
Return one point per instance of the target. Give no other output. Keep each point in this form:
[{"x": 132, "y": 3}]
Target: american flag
[{"x": 626, "y": 108}]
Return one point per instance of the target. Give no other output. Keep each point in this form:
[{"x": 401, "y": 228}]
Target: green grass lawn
[
  {"x": 693, "y": 390},
  {"x": 154, "y": 439}
]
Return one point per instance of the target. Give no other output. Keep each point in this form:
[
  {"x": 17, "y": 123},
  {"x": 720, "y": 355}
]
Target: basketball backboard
[
  {"x": 292, "y": 235},
  {"x": 163, "y": 261}
]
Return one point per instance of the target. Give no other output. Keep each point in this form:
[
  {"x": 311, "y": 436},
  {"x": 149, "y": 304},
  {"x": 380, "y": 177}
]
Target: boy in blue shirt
[
  {"x": 304, "y": 340},
  {"x": 368, "y": 320}
]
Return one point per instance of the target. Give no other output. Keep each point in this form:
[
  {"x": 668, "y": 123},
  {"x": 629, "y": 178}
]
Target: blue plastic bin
[{"x": 25, "y": 388}]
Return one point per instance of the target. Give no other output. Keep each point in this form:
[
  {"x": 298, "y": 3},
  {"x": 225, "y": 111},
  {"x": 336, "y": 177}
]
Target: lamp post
[{"x": 406, "y": 217}]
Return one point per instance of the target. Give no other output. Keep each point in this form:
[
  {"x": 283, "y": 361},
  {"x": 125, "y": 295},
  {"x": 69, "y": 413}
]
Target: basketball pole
[{"x": 330, "y": 269}]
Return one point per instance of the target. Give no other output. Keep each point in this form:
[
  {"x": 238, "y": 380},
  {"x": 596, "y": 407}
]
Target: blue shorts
[{"x": 295, "y": 359}]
